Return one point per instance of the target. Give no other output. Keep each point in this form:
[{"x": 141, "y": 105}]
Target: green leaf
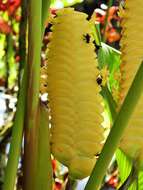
[
  {"x": 125, "y": 166},
  {"x": 140, "y": 180},
  {"x": 64, "y": 3},
  {"x": 110, "y": 57}
]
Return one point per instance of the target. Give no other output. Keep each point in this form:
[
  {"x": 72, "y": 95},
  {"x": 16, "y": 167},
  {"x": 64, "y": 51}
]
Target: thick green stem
[
  {"x": 110, "y": 102},
  {"x": 15, "y": 146},
  {"x": 37, "y": 168},
  {"x": 43, "y": 175},
  {"x": 45, "y": 12},
  {"x": 34, "y": 60},
  {"x": 116, "y": 133}
]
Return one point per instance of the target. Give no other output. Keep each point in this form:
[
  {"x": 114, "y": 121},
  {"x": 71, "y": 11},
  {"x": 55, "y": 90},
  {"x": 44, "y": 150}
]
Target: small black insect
[
  {"x": 97, "y": 47},
  {"x": 48, "y": 29},
  {"x": 99, "y": 80},
  {"x": 87, "y": 38}
]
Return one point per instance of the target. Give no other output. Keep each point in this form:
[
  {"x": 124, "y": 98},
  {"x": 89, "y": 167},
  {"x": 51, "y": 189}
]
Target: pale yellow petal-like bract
[
  {"x": 132, "y": 56},
  {"x": 74, "y": 95}
]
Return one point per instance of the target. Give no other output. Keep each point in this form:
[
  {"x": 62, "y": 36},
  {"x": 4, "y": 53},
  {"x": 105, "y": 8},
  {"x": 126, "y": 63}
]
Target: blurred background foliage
[{"x": 107, "y": 21}]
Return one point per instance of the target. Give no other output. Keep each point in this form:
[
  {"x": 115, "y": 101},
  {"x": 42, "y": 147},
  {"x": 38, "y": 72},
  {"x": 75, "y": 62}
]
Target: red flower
[
  {"x": 2, "y": 82},
  {"x": 112, "y": 35},
  {"x": 13, "y": 6},
  {"x": 3, "y": 6},
  {"x": 17, "y": 58},
  {"x": 100, "y": 15},
  {"x": 113, "y": 12},
  {"x": 57, "y": 185},
  {"x": 53, "y": 11},
  {"x": 113, "y": 181},
  {"x": 4, "y": 27},
  {"x": 54, "y": 165}
]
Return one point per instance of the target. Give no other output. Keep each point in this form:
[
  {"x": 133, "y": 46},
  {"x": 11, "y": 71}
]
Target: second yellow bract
[
  {"x": 132, "y": 56},
  {"x": 75, "y": 103}
]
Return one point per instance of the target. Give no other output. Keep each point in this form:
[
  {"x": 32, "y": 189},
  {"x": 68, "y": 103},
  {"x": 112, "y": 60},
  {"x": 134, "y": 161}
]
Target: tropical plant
[{"x": 79, "y": 102}]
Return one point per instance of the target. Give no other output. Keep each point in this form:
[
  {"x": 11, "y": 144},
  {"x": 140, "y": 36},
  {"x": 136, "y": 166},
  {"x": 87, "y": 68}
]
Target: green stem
[
  {"x": 43, "y": 166},
  {"x": 45, "y": 12},
  {"x": 9, "y": 43},
  {"x": 22, "y": 35},
  {"x": 116, "y": 132},
  {"x": 97, "y": 35},
  {"x": 110, "y": 102},
  {"x": 34, "y": 61},
  {"x": 17, "y": 130},
  {"x": 36, "y": 174}
]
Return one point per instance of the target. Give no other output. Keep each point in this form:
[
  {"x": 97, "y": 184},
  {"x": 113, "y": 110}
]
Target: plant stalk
[
  {"x": 16, "y": 141},
  {"x": 36, "y": 174},
  {"x": 34, "y": 60},
  {"x": 111, "y": 103},
  {"x": 45, "y": 12},
  {"x": 44, "y": 172},
  {"x": 22, "y": 35}
]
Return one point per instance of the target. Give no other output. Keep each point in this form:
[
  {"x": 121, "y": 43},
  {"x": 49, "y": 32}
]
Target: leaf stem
[
  {"x": 34, "y": 60},
  {"x": 43, "y": 175},
  {"x": 111, "y": 103},
  {"x": 116, "y": 132},
  {"x": 45, "y": 12},
  {"x": 17, "y": 130},
  {"x": 36, "y": 174}
]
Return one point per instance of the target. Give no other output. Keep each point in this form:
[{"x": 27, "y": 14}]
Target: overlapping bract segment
[
  {"x": 131, "y": 43},
  {"x": 75, "y": 102},
  {"x": 132, "y": 55}
]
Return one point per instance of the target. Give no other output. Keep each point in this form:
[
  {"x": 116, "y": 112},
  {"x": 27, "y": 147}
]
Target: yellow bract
[
  {"x": 75, "y": 102},
  {"x": 132, "y": 55}
]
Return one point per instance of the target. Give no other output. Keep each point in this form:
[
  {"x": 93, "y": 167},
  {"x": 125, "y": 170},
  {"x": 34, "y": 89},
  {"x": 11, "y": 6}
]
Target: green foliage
[
  {"x": 125, "y": 166},
  {"x": 64, "y": 3},
  {"x": 10, "y": 61},
  {"x": 2, "y": 54},
  {"x": 110, "y": 57}
]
